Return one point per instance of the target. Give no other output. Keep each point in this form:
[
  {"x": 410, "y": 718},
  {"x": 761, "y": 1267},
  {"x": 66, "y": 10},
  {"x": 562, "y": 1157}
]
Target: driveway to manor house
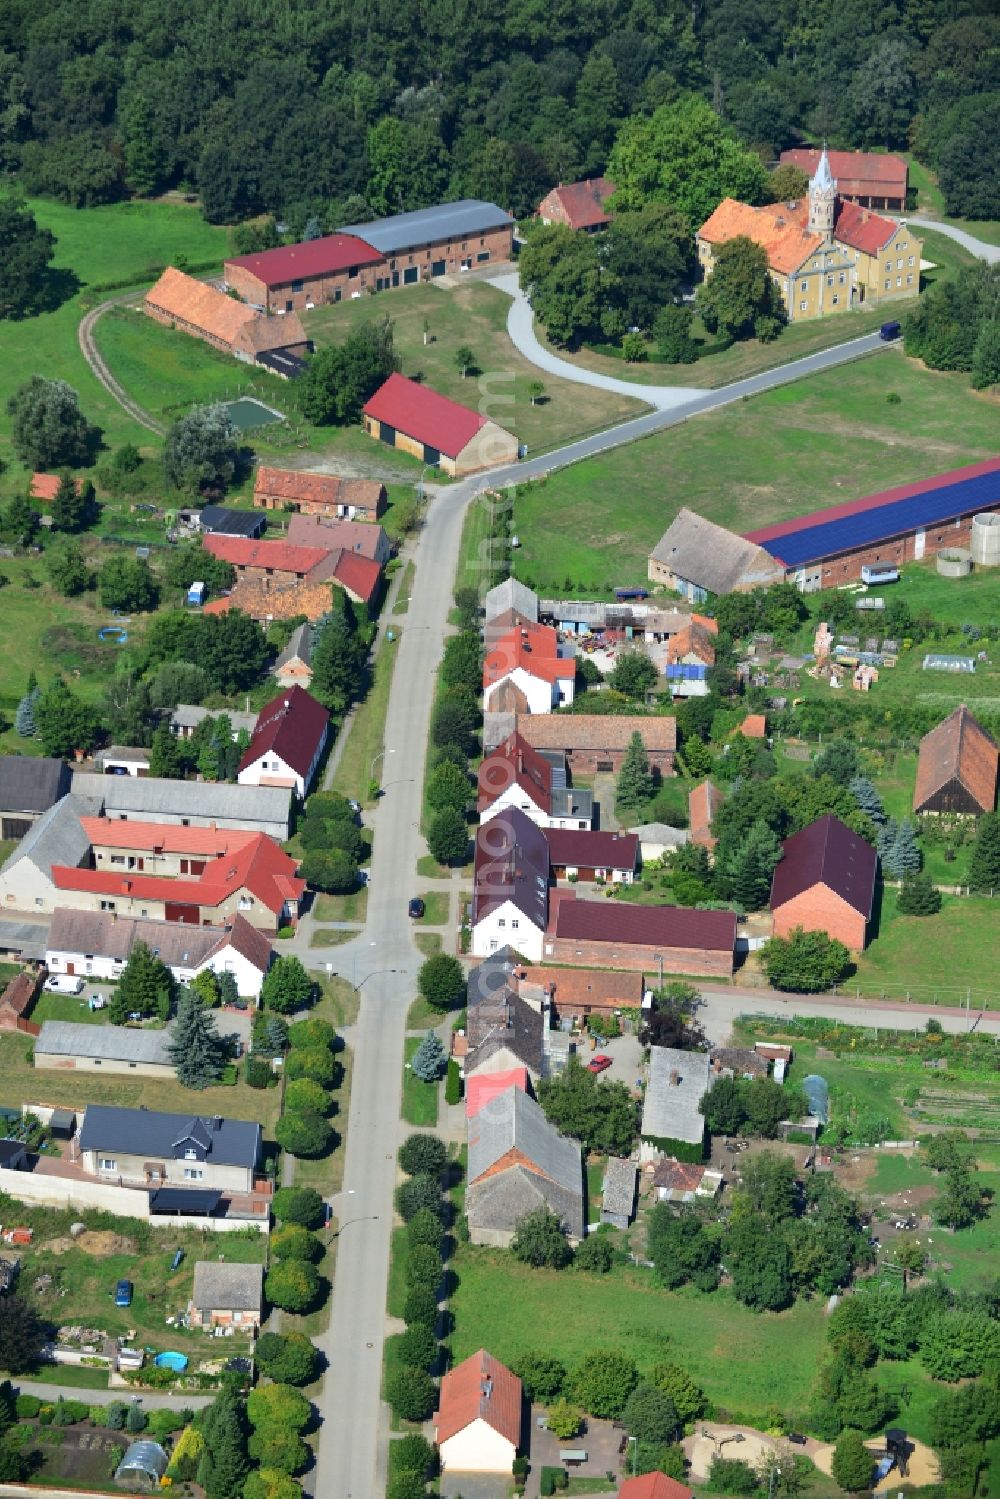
[{"x": 989, "y": 253}]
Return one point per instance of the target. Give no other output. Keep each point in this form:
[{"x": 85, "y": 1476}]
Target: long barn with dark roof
[{"x": 905, "y": 524}]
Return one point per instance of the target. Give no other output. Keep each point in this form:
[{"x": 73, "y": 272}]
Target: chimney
[
  {"x": 675, "y": 1078},
  {"x": 487, "y": 1387},
  {"x": 217, "y": 1122}
]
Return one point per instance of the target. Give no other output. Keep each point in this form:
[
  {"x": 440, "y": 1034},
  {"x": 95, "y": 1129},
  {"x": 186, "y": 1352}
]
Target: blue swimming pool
[
  {"x": 177, "y": 1361},
  {"x": 113, "y": 633}
]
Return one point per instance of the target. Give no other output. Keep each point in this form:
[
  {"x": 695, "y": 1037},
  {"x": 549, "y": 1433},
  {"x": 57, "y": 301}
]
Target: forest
[{"x": 339, "y": 111}]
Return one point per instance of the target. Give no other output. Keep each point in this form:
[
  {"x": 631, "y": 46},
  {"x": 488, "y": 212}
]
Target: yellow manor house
[{"x": 826, "y": 255}]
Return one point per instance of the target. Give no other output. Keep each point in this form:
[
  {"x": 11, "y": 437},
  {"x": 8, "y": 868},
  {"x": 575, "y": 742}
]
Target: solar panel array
[{"x": 866, "y": 527}]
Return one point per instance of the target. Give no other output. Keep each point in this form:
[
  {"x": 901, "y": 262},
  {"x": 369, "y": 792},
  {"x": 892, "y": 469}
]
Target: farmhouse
[
  {"x": 141, "y": 1146},
  {"x": 287, "y": 743},
  {"x": 477, "y": 1425},
  {"x": 595, "y": 742},
  {"x": 28, "y": 787},
  {"x": 65, "y": 1046},
  {"x": 578, "y": 205},
  {"x": 98, "y": 944},
  {"x": 285, "y": 596},
  {"x": 905, "y": 524},
  {"x": 526, "y": 672},
  {"x": 515, "y": 775},
  {"x": 409, "y": 416},
  {"x": 319, "y": 494},
  {"x": 510, "y": 901},
  {"x": 226, "y": 1295},
  {"x": 575, "y": 993},
  {"x": 591, "y": 856},
  {"x": 511, "y": 596},
  {"x": 868, "y": 178},
  {"x": 646, "y": 939},
  {"x": 201, "y": 876},
  {"x": 825, "y": 882},
  {"x": 362, "y": 538},
  {"x": 26, "y": 877},
  {"x": 826, "y": 255},
  {"x": 502, "y": 1031},
  {"x": 292, "y": 278},
  {"x": 678, "y": 1080},
  {"x": 519, "y": 1162},
  {"x": 956, "y": 767},
  {"x": 695, "y": 558},
  {"x": 179, "y": 301},
  {"x": 256, "y": 809}
]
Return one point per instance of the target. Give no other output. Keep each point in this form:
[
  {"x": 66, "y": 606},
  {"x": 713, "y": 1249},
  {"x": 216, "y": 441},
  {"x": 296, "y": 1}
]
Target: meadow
[{"x": 823, "y": 440}]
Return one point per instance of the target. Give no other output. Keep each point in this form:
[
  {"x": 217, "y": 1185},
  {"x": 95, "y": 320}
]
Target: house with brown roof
[
  {"x": 363, "y": 538},
  {"x": 578, "y": 205},
  {"x": 683, "y": 1181},
  {"x": 704, "y": 800},
  {"x": 593, "y": 855},
  {"x": 692, "y": 646},
  {"x": 478, "y": 1422},
  {"x": 754, "y": 726},
  {"x": 695, "y": 557},
  {"x": 646, "y": 939},
  {"x": 45, "y": 487},
  {"x": 510, "y": 900},
  {"x": 825, "y": 882},
  {"x": 575, "y": 993},
  {"x": 319, "y": 494},
  {"x": 956, "y": 767},
  {"x": 284, "y": 592},
  {"x": 287, "y": 742},
  {"x": 869, "y": 178},
  {"x": 515, "y": 775},
  {"x": 201, "y": 310},
  {"x": 16, "y": 1000},
  {"x": 826, "y": 255},
  {"x": 595, "y": 742},
  {"x": 407, "y": 415}
]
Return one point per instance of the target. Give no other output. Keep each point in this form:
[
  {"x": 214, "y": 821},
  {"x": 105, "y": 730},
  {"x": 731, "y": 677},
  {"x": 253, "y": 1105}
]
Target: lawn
[
  {"x": 475, "y": 315},
  {"x": 20, "y": 1083},
  {"x": 938, "y": 959},
  {"x": 745, "y": 1362},
  {"x": 830, "y": 438},
  {"x": 353, "y": 907},
  {"x": 429, "y": 943},
  {"x": 96, "y": 245},
  {"x": 66, "y": 1007},
  {"x": 330, "y": 936},
  {"x": 363, "y": 747},
  {"x": 436, "y": 903},
  {"x": 420, "y": 1099}
]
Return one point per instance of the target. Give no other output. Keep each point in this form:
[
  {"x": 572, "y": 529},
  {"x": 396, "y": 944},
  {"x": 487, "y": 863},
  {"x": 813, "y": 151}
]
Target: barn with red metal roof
[{"x": 407, "y": 415}]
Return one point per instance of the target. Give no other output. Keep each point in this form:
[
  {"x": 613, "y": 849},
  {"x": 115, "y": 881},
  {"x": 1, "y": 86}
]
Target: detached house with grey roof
[
  {"x": 678, "y": 1080},
  {"x": 139, "y": 1147},
  {"x": 518, "y": 1163},
  {"x": 28, "y": 788}
]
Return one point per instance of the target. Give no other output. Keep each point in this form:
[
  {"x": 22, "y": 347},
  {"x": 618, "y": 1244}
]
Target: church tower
[{"x": 822, "y": 198}]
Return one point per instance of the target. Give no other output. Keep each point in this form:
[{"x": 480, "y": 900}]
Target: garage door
[
  {"x": 438, "y": 267},
  {"x": 410, "y": 274}
]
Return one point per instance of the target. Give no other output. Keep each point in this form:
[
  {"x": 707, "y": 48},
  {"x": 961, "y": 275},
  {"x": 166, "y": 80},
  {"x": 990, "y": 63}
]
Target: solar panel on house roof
[{"x": 863, "y": 527}]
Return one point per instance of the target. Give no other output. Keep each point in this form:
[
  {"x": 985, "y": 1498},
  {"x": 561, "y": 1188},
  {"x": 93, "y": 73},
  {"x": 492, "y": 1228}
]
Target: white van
[{"x": 63, "y": 983}]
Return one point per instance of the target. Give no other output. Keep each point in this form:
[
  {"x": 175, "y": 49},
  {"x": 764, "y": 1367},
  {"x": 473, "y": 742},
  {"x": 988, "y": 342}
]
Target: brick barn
[
  {"x": 825, "y": 882},
  {"x": 594, "y": 742},
  {"x": 905, "y": 524},
  {"x": 294, "y": 278},
  {"x": 956, "y": 767},
  {"x": 870, "y": 179},
  {"x": 649, "y": 939},
  {"x": 196, "y": 308},
  {"x": 417, "y": 420},
  {"x": 319, "y": 494},
  {"x": 578, "y": 205}
]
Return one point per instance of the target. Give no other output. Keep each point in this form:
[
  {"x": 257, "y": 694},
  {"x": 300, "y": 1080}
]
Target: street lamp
[
  {"x": 357, "y": 984},
  {"x": 658, "y": 958},
  {"x": 420, "y": 482},
  {"x": 367, "y": 1218},
  {"x": 633, "y": 1442}
]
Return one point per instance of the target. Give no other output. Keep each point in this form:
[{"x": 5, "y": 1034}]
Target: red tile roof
[
  {"x": 291, "y": 725},
  {"x": 218, "y": 606},
  {"x": 862, "y": 229},
  {"x": 257, "y": 865},
  {"x": 480, "y": 1388},
  {"x": 826, "y": 853},
  {"x": 860, "y": 174},
  {"x": 648, "y": 926},
  {"x": 579, "y": 204},
  {"x": 534, "y": 648},
  {"x": 359, "y": 575},
  {"x": 313, "y": 257},
  {"x": 765, "y": 534},
  {"x": 594, "y": 988},
  {"x": 423, "y": 414},
  {"x": 179, "y": 296},
  {"x": 299, "y": 486},
  {"x": 678, "y": 1176},
  {"x": 515, "y": 762},
  {"x": 582, "y": 849},
  {"x": 46, "y": 486},
  {"x": 482, "y": 1086},
  {"x": 653, "y": 1486},
  {"x": 281, "y": 556},
  {"x": 162, "y": 837},
  {"x": 959, "y": 749},
  {"x": 754, "y": 726},
  {"x": 779, "y": 230},
  {"x": 704, "y": 800}
]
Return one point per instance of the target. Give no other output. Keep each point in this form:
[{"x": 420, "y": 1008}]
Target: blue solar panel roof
[{"x": 866, "y": 526}]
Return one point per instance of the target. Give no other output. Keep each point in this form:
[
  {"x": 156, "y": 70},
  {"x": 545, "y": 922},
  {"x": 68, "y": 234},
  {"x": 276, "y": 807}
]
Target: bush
[
  {"x": 420, "y": 1192},
  {"x": 730, "y": 1475},
  {"x": 293, "y": 1242},
  {"x": 414, "y": 1454},
  {"x": 289, "y": 1358},
  {"x": 541, "y": 1375},
  {"x": 136, "y": 1420},
  {"x": 441, "y": 981},
  {"x": 453, "y": 1083},
  {"x": 68, "y": 1412},
  {"x": 164, "y": 1423},
  {"x": 424, "y": 1228},
  {"x": 596, "y": 1254},
  {"x": 312, "y": 1032},
  {"x": 299, "y": 1205},
  {"x": 423, "y": 1267},
  {"x": 278, "y": 1406},
  {"x": 115, "y": 1415},
  {"x": 411, "y": 1393},
  {"x": 27, "y": 1407},
  {"x": 417, "y": 1347},
  {"x": 282, "y": 1451},
  {"x": 420, "y": 1308},
  {"x": 304, "y": 1096},
  {"x": 257, "y": 1072},
  {"x": 304, "y": 1135},
  {"x": 315, "y": 1062},
  {"x": 292, "y": 1285},
  {"x": 423, "y": 1155}
]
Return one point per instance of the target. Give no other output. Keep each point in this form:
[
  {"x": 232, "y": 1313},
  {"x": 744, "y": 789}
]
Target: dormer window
[{"x": 190, "y": 1155}]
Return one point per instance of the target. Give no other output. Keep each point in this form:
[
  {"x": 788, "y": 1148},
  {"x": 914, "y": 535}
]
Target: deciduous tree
[
  {"x": 540, "y": 1240},
  {"x": 48, "y": 429}
]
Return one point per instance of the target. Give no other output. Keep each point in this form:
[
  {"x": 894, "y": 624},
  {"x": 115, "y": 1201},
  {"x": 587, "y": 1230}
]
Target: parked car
[
  {"x": 123, "y": 1293},
  {"x": 599, "y": 1063},
  {"x": 416, "y": 908},
  {"x": 889, "y": 331},
  {"x": 63, "y": 983}
]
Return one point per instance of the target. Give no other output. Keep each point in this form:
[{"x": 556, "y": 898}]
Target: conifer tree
[
  {"x": 984, "y": 865},
  {"x": 196, "y": 1049},
  {"x": 24, "y": 719},
  {"x": 868, "y": 800},
  {"x": 225, "y": 1463},
  {"x": 144, "y": 986},
  {"x": 635, "y": 779},
  {"x": 429, "y": 1059},
  {"x": 918, "y": 896}
]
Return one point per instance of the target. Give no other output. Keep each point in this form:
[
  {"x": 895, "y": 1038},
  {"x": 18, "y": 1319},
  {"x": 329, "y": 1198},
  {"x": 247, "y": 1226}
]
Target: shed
[
  {"x": 618, "y": 1192},
  {"x": 825, "y": 881},
  {"x": 956, "y": 767},
  {"x": 406, "y": 415},
  {"x": 226, "y": 1295},
  {"x": 196, "y": 594},
  {"x": 142, "y": 1467},
  {"x": 62, "y": 1124}
]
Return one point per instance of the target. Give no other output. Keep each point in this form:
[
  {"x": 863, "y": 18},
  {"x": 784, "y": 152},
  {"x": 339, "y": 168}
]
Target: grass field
[
  {"x": 744, "y": 1361},
  {"x": 20, "y": 1083},
  {"x": 818, "y": 442},
  {"x": 95, "y": 245},
  {"x": 475, "y": 315},
  {"x": 353, "y": 907},
  {"x": 363, "y": 747},
  {"x": 420, "y": 1099},
  {"x": 66, "y": 1007},
  {"x": 938, "y": 959}
]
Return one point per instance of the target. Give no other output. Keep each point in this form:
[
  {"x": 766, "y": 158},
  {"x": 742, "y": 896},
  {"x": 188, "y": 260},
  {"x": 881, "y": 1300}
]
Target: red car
[{"x": 598, "y": 1064}]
